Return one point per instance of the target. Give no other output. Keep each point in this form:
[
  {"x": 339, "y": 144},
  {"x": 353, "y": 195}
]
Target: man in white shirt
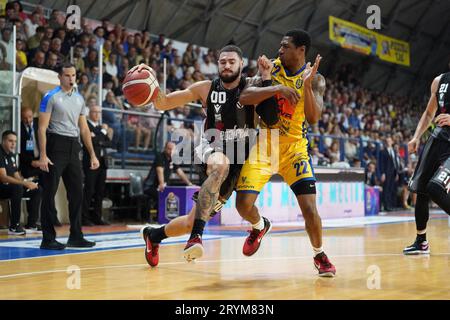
[
  {"x": 208, "y": 68},
  {"x": 31, "y": 24}
]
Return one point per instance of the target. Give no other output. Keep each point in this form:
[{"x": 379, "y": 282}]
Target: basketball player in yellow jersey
[{"x": 291, "y": 155}]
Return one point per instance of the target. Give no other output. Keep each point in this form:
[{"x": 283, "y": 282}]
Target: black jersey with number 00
[{"x": 224, "y": 112}]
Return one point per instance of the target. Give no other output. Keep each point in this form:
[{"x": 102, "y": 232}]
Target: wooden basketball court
[{"x": 368, "y": 258}]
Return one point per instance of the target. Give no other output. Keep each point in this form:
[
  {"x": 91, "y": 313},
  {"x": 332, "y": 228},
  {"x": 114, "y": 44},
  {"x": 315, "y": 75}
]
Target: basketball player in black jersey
[
  {"x": 227, "y": 117},
  {"x": 431, "y": 179}
]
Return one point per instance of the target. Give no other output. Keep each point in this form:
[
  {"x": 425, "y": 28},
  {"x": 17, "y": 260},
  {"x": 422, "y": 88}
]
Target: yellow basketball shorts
[{"x": 290, "y": 160}]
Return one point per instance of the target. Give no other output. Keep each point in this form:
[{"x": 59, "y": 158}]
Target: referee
[{"x": 62, "y": 119}]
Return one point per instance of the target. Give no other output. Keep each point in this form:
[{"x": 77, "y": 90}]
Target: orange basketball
[{"x": 140, "y": 88}]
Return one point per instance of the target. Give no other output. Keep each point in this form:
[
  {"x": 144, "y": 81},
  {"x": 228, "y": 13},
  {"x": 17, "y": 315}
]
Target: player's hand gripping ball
[{"x": 140, "y": 86}]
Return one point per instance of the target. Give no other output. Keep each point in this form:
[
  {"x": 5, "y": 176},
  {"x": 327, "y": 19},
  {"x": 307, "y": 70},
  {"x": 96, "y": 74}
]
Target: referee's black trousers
[{"x": 64, "y": 152}]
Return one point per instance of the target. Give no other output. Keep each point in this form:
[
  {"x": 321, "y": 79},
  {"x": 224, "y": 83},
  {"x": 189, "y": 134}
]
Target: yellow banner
[{"x": 357, "y": 38}]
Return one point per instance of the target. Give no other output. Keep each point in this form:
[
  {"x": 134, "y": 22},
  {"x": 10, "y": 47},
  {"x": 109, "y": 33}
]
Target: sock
[
  {"x": 317, "y": 251},
  {"x": 198, "y": 227},
  {"x": 158, "y": 235},
  {"x": 259, "y": 225},
  {"x": 421, "y": 237}
]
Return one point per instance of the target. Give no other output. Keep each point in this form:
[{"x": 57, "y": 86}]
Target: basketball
[{"x": 140, "y": 88}]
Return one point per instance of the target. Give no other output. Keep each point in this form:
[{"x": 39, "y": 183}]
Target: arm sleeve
[
  {"x": 268, "y": 109},
  {"x": 46, "y": 103}
]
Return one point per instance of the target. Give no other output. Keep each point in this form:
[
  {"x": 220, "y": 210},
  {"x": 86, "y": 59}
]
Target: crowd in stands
[{"x": 351, "y": 111}]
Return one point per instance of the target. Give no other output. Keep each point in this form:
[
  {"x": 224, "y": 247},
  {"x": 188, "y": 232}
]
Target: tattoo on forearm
[{"x": 208, "y": 195}]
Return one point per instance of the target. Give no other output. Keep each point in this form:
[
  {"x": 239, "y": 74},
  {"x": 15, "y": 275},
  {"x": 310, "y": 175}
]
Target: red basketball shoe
[
  {"x": 324, "y": 266},
  {"x": 151, "y": 249},
  {"x": 193, "y": 249},
  {"x": 253, "y": 240}
]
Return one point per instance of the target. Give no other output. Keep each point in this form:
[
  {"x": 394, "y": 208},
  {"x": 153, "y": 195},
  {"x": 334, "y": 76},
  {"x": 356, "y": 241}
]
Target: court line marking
[
  {"x": 209, "y": 261},
  {"x": 220, "y": 237}
]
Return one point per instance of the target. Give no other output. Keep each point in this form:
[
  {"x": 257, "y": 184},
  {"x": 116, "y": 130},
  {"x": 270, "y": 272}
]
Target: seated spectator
[
  {"x": 38, "y": 60},
  {"x": 78, "y": 60},
  {"x": 14, "y": 187},
  {"x": 32, "y": 23},
  {"x": 371, "y": 178},
  {"x": 34, "y": 41},
  {"x": 52, "y": 61},
  {"x": 113, "y": 119},
  {"x": 208, "y": 68},
  {"x": 336, "y": 163},
  {"x": 92, "y": 59},
  {"x": 159, "y": 175},
  {"x": 21, "y": 57},
  {"x": 111, "y": 66}
]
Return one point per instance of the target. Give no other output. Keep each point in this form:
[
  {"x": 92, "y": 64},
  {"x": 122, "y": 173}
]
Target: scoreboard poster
[{"x": 360, "y": 39}]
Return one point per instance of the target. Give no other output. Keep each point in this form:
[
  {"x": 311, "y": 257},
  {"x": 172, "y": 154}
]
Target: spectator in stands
[
  {"x": 19, "y": 10},
  {"x": 107, "y": 50},
  {"x": 93, "y": 74},
  {"x": 166, "y": 53},
  {"x": 38, "y": 60},
  {"x": 334, "y": 151},
  {"x": 40, "y": 9},
  {"x": 31, "y": 24},
  {"x": 8, "y": 44},
  {"x": 2, "y": 21},
  {"x": 188, "y": 56},
  {"x": 55, "y": 48},
  {"x": 35, "y": 40},
  {"x": 132, "y": 56},
  {"x": 111, "y": 119},
  {"x": 44, "y": 46},
  {"x": 99, "y": 34},
  {"x": 49, "y": 33},
  {"x": 78, "y": 60},
  {"x": 172, "y": 81},
  {"x": 128, "y": 43},
  {"x": 52, "y": 61},
  {"x": 21, "y": 57},
  {"x": 14, "y": 187},
  {"x": 92, "y": 59},
  {"x": 370, "y": 175},
  {"x": 56, "y": 20},
  {"x": 159, "y": 175},
  {"x": 85, "y": 87},
  {"x": 317, "y": 158},
  {"x": 161, "y": 40},
  {"x": 10, "y": 12},
  {"x": 95, "y": 180},
  {"x": 145, "y": 56}
]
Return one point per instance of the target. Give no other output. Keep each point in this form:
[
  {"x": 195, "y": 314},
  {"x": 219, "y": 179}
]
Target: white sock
[
  {"x": 317, "y": 251},
  {"x": 422, "y": 231},
  {"x": 259, "y": 225}
]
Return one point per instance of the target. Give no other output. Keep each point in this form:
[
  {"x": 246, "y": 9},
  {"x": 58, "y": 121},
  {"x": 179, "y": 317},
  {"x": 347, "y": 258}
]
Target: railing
[{"x": 129, "y": 153}]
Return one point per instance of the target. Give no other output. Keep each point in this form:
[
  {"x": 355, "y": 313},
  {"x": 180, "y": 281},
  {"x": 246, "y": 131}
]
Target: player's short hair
[
  {"x": 66, "y": 65},
  {"x": 300, "y": 38},
  {"x": 231, "y": 48},
  {"x": 7, "y": 133}
]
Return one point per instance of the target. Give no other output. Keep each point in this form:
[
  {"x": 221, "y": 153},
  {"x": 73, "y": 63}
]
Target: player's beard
[{"x": 230, "y": 78}]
